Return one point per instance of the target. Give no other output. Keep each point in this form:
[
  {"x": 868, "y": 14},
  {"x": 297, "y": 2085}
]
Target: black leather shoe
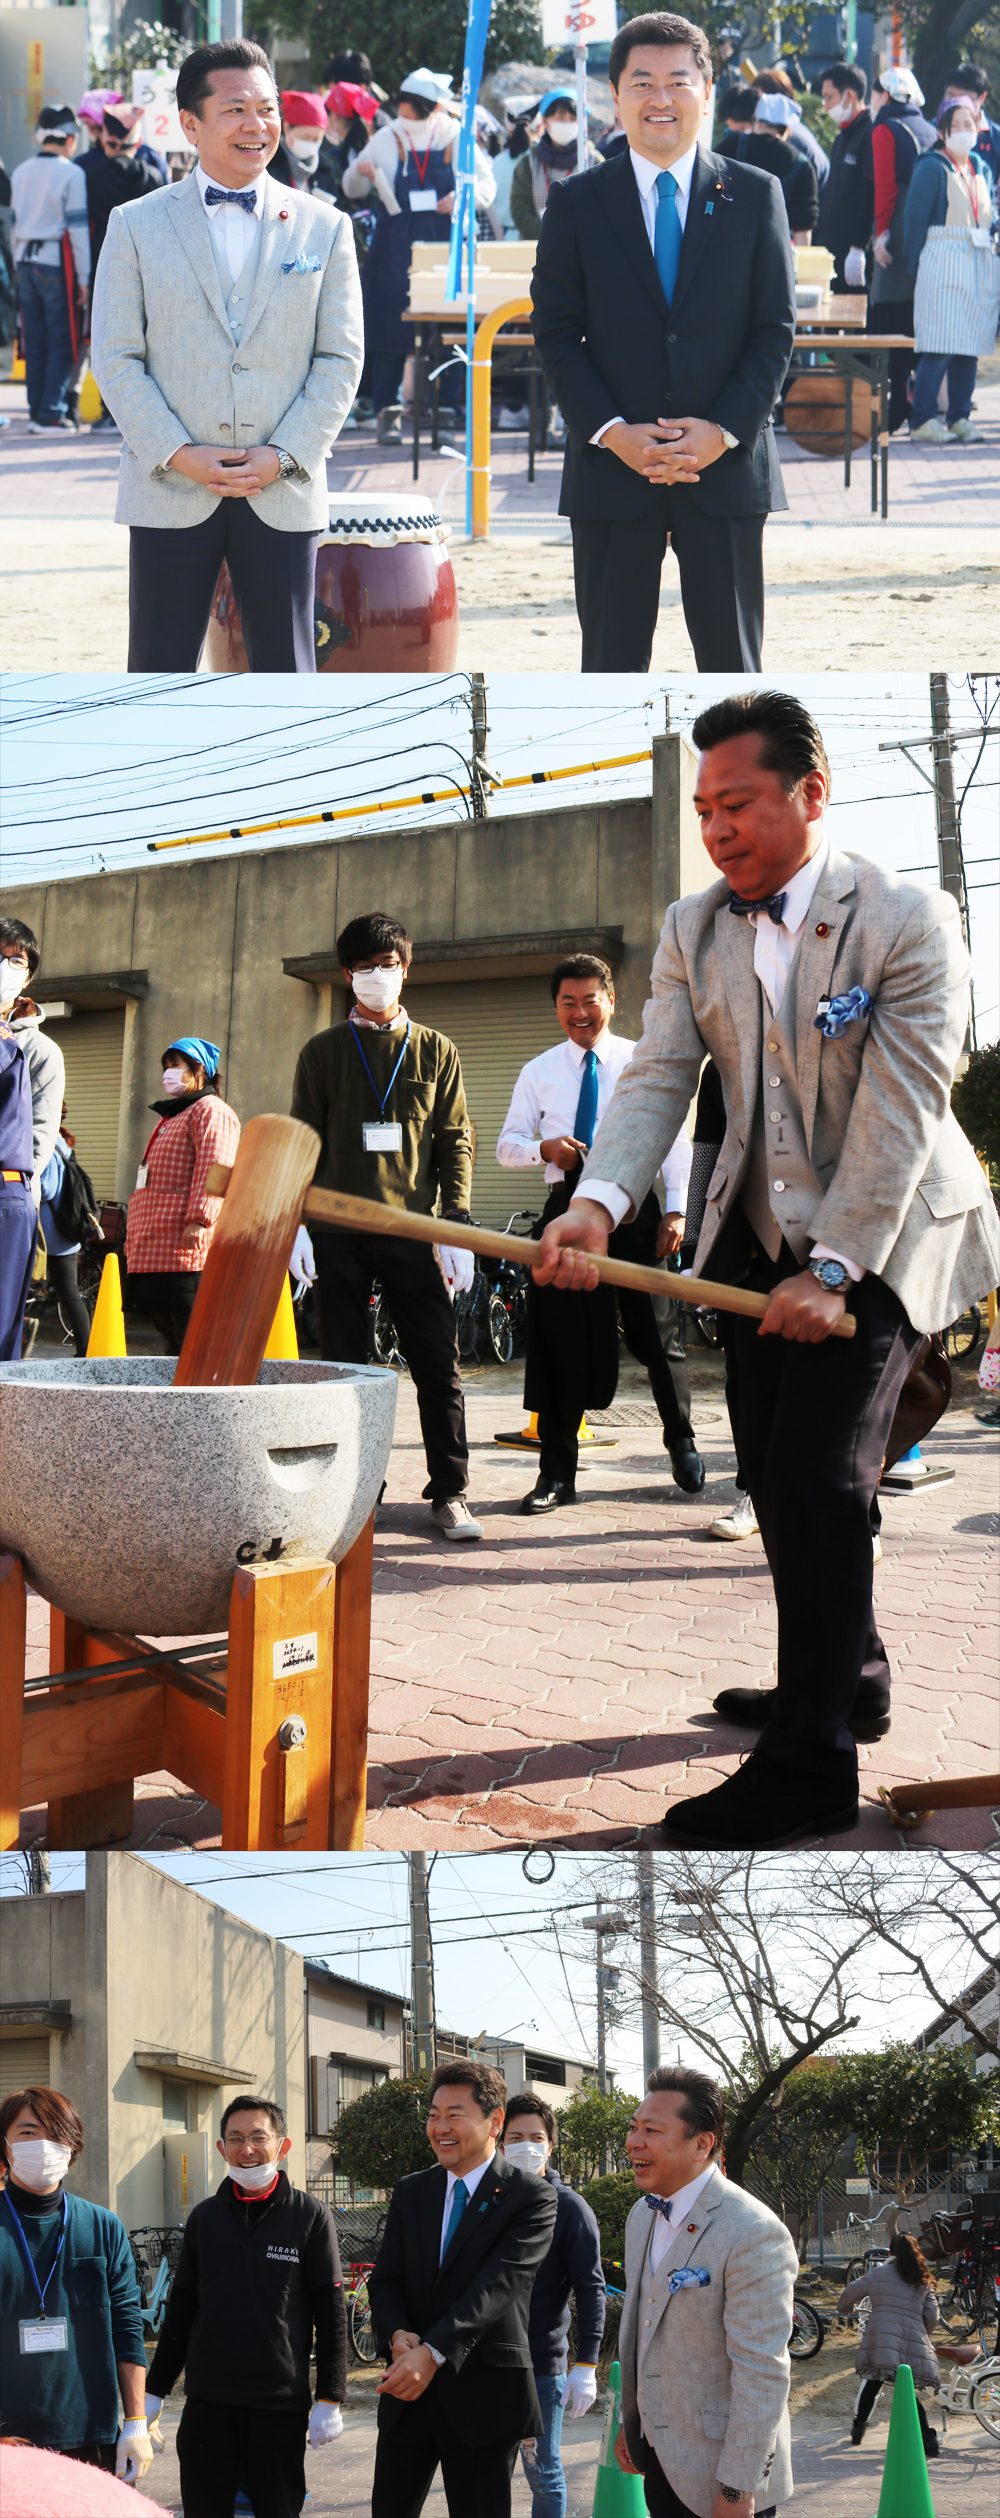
[
  {"x": 687, "y": 1465},
  {"x": 857, "y": 2434},
  {"x": 765, "y": 1806},
  {"x": 547, "y": 1499},
  {"x": 754, "y": 1706}
]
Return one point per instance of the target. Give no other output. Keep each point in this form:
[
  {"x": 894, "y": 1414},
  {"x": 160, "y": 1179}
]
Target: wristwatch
[
  {"x": 287, "y": 466},
  {"x": 831, "y": 1273},
  {"x": 729, "y": 2494}
]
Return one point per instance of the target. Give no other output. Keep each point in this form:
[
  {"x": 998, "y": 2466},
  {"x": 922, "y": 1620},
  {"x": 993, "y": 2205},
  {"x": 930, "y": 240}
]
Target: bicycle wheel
[
  {"x": 500, "y": 1331},
  {"x": 962, "y": 1338},
  {"x": 988, "y": 2316},
  {"x": 360, "y": 2328},
  {"x": 855, "y": 2270},
  {"x": 984, "y": 2400},
  {"x": 806, "y": 2337}
]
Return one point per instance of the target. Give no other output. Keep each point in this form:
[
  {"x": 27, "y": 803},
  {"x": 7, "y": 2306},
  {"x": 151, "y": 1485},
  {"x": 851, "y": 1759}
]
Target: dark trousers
[
  {"x": 813, "y": 1422},
  {"x": 347, "y": 1266},
  {"x": 661, "y": 2499},
  {"x": 18, "y": 1235},
  {"x": 225, "y": 2447},
  {"x": 616, "y": 573},
  {"x": 167, "y": 1299},
  {"x": 408, "y": 2454},
  {"x": 94, "y": 2452},
  {"x": 48, "y": 347},
  {"x": 173, "y": 574},
  {"x": 573, "y": 1337},
  {"x": 867, "y": 2401},
  {"x": 930, "y": 376},
  {"x": 895, "y": 316},
  {"x": 62, "y": 1276}
]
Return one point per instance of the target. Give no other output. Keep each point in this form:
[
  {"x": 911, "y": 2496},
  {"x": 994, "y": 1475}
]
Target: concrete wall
[
  {"x": 213, "y": 932},
  {"x": 44, "y": 1960},
  {"x": 337, "y": 2024}
]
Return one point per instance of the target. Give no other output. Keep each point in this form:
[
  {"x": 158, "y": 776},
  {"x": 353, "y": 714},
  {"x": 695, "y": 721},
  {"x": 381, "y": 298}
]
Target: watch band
[
  {"x": 830, "y": 1273},
  {"x": 286, "y": 463},
  {"x": 729, "y": 2492}
]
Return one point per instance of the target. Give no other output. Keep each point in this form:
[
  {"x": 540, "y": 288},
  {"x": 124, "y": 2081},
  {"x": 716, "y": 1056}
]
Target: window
[
  {"x": 376, "y": 2015},
  {"x": 175, "y": 2111},
  {"x": 546, "y": 2068}
]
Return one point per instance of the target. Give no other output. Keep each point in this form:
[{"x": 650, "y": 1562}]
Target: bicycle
[
  {"x": 872, "y": 2255},
  {"x": 360, "y": 2329},
  {"x": 808, "y": 2330},
  {"x": 973, "y": 2386},
  {"x": 961, "y": 1338}
]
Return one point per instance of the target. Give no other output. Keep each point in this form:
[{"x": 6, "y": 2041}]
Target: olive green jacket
[{"x": 332, "y": 1093}]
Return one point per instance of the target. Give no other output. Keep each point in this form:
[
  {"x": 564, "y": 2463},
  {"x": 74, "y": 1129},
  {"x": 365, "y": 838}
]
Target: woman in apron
[
  {"x": 411, "y": 167},
  {"x": 949, "y": 241}
]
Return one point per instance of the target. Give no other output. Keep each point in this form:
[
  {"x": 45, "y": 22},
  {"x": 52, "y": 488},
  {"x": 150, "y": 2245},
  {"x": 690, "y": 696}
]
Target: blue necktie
[
  {"x": 240, "y": 200},
  {"x": 775, "y": 906},
  {"x": 459, "y": 2199},
  {"x": 659, "y": 2203},
  {"x": 668, "y": 234},
  {"x": 586, "y": 1109}
]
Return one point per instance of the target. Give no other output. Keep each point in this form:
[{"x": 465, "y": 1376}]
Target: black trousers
[
  {"x": 867, "y": 2400},
  {"x": 62, "y": 1276},
  {"x": 408, "y": 2454},
  {"x": 225, "y": 2448},
  {"x": 661, "y": 2499},
  {"x": 895, "y": 315},
  {"x": 616, "y": 573},
  {"x": 347, "y": 1266},
  {"x": 167, "y": 1299},
  {"x": 173, "y": 574},
  {"x": 812, "y": 1427},
  {"x": 572, "y": 1346}
]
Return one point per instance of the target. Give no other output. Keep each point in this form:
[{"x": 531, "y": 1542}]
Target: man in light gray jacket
[
  {"x": 227, "y": 342},
  {"x": 707, "y": 2317},
  {"x": 834, "y": 1000}
]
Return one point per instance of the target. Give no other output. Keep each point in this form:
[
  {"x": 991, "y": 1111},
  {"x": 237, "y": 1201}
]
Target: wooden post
[
  {"x": 281, "y": 1665},
  {"x": 78, "y": 1820},
  {"x": 13, "y": 1632},
  {"x": 351, "y": 1668}
]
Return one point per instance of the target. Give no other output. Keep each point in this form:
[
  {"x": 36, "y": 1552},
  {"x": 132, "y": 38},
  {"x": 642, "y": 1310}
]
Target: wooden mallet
[{"x": 267, "y": 1195}]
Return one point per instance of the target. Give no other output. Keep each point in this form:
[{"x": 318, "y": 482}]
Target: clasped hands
[
  {"x": 230, "y": 475},
  {"x": 666, "y": 451},
  {"x": 799, "y": 1308},
  {"x": 413, "y": 2367}
]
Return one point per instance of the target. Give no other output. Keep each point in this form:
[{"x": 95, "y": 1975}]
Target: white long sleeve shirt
[
  {"x": 49, "y": 200},
  {"x": 382, "y": 151},
  {"x": 543, "y": 1105},
  {"x": 233, "y": 227},
  {"x": 665, "y": 2232}
]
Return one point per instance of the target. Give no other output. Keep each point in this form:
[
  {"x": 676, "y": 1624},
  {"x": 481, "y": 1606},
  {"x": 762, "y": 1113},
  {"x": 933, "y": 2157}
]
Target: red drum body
[{"x": 386, "y": 600}]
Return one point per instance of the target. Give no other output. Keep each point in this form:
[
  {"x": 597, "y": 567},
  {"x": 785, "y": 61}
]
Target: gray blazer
[
  {"x": 899, "y": 1189},
  {"x": 164, "y": 356},
  {"x": 717, "y": 2367}
]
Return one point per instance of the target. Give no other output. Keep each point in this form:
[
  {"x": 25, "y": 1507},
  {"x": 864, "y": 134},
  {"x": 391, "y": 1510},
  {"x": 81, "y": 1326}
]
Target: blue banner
[{"x": 463, "y": 217}]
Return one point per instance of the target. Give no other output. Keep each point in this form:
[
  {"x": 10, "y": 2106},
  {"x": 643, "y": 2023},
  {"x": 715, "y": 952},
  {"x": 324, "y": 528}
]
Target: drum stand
[{"x": 270, "y": 1724}]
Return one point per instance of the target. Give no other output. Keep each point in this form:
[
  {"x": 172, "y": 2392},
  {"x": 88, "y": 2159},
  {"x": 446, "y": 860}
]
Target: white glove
[
  {"x": 881, "y": 250},
  {"x": 458, "y": 1267},
  {"x": 854, "y": 268},
  {"x": 154, "y": 2408},
  {"x": 581, "y": 2388},
  {"x": 326, "y": 2422},
  {"x": 302, "y": 1263},
  {"x": 134, "y": 2452}
]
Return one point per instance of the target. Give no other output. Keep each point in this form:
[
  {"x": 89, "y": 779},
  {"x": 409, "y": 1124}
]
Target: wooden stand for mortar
[{"x": 282, "y": 1750}]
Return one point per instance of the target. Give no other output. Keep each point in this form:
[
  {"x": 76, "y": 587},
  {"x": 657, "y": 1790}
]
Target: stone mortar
[{"x": 128, "y": 1499}]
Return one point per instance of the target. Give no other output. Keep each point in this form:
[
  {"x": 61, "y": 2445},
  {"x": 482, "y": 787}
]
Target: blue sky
[{"x": 95, "y": 768}]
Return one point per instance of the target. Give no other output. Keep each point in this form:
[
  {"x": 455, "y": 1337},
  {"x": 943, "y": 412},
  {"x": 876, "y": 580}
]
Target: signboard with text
[
  {"x": 156, "y": 92},
  {"x": 577, "y": 22}
]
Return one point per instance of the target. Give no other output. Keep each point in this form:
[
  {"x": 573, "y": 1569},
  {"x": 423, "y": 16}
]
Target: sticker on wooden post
[{"x": 295, "y": 1653}]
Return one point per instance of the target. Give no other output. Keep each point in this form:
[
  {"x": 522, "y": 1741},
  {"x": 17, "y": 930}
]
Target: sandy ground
[{"x": 850, "y": 597}]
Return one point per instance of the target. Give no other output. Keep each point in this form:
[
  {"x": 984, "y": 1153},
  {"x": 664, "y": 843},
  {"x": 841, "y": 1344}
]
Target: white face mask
[
  {"x": 175, "y": 1081},
  {"x": 254, "y": 2181},
  {"x": 378, "y": 989},
  {"x": 844, "y": 112},
  {"x": 13, "y": 981},
  {"x": 960, "y": 143},
  {"x": 417, "y": 133},
  {"x": 531, "y": 2156},
  {"x": 307, "y": 152},
  {"x": 39, "y": 2165},
  {"x": 562, "y": 133}
]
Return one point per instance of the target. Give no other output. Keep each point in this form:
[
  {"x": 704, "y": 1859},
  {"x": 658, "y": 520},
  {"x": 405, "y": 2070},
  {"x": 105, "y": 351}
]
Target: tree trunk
[{"x": 939, "y": 45}]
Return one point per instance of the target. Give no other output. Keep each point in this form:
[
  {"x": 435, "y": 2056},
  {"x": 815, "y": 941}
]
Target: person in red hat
[
  {"x": 303, "y": 130},
  {"x": 350, "y": 113}
]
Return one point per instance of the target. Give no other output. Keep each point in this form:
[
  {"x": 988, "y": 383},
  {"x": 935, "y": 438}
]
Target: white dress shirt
[
  {"x": 543, "y": 1105},
  {"x": 470, "y": 2180},
  {"x": 665, "y": 2232},
  {"x": 232, "y": 225}
]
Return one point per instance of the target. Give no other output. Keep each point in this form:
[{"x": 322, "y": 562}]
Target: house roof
[
  {"x": 317, "y": 1968},
  {"x": 981, "y": 1987}
]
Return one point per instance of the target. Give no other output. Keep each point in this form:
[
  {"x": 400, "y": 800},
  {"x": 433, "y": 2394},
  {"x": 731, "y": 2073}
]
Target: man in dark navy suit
[
  {"x": 664, "y": 313},
  {"x": 449, "y": 2297}
]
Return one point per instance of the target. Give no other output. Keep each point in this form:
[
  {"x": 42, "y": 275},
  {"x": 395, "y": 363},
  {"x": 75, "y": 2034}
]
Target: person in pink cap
[{"x": 303, "y": 130}]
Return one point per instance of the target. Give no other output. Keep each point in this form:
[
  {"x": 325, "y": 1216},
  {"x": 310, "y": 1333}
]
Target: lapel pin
[
  {"x": 282, "y": 214},
  {"x": 692, "y": 2229},
  {"x": 822, "y": 929}
]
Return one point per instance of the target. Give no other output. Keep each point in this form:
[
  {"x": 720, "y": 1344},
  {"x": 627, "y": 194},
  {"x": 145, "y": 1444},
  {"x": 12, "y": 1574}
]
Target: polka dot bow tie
[
  {"x": 659, "y": 2203},
  {"x": 775, "y": 907},
  {"x": 240, "y": 200}
]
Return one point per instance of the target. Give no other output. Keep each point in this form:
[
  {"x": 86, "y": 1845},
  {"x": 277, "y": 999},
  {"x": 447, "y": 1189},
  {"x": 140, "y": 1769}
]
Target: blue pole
[{"x": 463, "y": 217}]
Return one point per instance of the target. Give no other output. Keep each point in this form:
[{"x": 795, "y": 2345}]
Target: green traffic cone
[
  {"x": 616, "y": 2495},
  {"x": 906, "y": 2491}
]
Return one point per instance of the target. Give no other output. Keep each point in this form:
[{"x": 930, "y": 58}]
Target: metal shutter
[
  {"x": 24, "y": 2065},
  {"x": 93, "y": 1046},
  {"x": 496, "y": 1025}
]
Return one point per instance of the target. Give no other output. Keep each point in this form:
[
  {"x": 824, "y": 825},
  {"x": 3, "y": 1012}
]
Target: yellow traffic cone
[
  {"x": 18, "y": 373},
  {"x": 107, "y": 1330},
  {"x": 283, "y": 1345},
  {"x": 90, "y": 405}
]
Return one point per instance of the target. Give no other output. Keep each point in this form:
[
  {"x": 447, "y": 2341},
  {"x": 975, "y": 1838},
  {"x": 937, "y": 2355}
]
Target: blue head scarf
[{"x": 202, "y": 1053}]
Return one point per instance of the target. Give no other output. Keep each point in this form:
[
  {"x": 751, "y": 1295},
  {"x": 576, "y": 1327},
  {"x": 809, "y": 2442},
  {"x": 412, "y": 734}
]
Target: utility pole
[
  {"x": 422, "y": 1965},
  {"x": 480, "y": 746},
  {"x": 39, "y": 1875},
  {"x": 949, "y": 848},
  {"x": 647, "y": 1964},
  {"x": 603, "y": 1925}
]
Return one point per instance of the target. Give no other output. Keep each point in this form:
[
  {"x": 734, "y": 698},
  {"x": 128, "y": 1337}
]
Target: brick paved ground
[{"x": 555, "y": 1683}]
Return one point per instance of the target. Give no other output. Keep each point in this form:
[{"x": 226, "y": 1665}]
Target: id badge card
[
  {"x": 423, "y": 201},
  {"x": 142, "y": 1176},
  {"x": 980, "y": 236},
  {"x": 52, "y": 2335},
  {"x": 382, "y": 1136}
]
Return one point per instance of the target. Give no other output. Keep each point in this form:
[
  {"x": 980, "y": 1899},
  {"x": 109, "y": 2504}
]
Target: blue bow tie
[
  {"x": 775, "y": 907},
  {"x": 240, "y": 200},
  {"x": 659, "y": 2203}
]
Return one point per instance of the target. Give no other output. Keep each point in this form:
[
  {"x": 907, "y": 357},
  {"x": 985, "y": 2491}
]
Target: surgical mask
[
  {"x": 307, "y": 152},
  {"x": 417, "y": 133},
  {"x": 255, "y": 2180},
  {"x": 38, "y": 2165},
  {"x": 531, "y": 2156},
  {"x": 960, "y": 143},
  {"x": 174, "y": 1081},
  {"x": 562, "y": 134},
  {"x": 377, "y": 989},
  {"x": 842, "y": 112},
  {"x": 13, "y": 981}
]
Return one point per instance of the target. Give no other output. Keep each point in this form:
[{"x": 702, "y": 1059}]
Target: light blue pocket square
[
  {"x": 690, "y": 2277},
  {"x": 303, "y": 262},
  {"x": 833, "y": 1014}
]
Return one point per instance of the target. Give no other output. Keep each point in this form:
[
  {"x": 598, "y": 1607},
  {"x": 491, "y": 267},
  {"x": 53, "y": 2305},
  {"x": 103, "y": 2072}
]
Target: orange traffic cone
[
  {"x": 283, "y": 1344},
  {"x": 107, "y": 1329}
]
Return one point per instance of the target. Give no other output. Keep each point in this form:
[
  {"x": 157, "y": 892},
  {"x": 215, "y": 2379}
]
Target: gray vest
[
  {"x": 780, "y": 1191},
  {"x": 237, "y": 293},
  {"x": 653, "y": 2292}
]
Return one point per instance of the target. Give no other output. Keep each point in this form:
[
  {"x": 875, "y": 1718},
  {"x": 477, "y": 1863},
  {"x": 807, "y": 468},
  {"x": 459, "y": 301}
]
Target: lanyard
[
  {"x": 421, "y": 170},
  {"x": 30, "y": 2261},
  {"x": 381, "y": 1098}
]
